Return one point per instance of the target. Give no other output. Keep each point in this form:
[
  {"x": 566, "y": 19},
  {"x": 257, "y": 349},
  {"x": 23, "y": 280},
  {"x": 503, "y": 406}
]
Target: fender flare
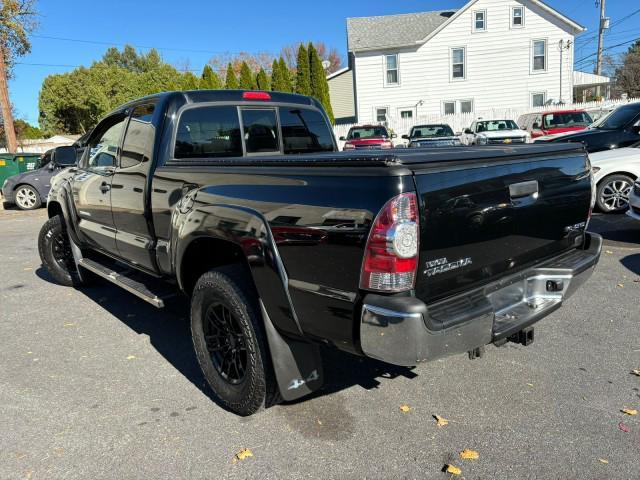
[{"x": 259, "y": 250}]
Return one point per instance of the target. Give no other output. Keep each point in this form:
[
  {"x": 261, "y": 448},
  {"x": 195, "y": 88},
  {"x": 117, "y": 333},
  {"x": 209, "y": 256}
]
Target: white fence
[{"x": 459, "y": 122}]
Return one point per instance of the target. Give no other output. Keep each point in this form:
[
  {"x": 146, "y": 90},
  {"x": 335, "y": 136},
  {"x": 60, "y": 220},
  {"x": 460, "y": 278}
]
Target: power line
[
  {"x": 605, "y": 49},
  {"x": 111, "y": 44}
]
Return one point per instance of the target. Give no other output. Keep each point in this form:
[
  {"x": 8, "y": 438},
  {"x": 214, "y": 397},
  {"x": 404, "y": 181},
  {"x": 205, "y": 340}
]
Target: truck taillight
[{"x": 391, "y": 254}]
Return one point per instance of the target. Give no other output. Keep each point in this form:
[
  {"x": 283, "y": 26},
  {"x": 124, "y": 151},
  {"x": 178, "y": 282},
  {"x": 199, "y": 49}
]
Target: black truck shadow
[
  {"x": 169, "y": 333},
  {"x": 632, "y": 263}
]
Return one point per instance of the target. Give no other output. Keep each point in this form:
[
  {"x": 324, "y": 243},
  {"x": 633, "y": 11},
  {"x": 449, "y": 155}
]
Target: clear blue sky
[{"x": 217, "y": 26}]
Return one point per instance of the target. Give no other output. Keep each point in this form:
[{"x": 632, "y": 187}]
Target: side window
[
  {"x": 137, "y": 146},
  {"x": 260, "y": 130},
  {"x": 304, "y": 131},
  {"x": 209, "y": 132},
  {"x": 103, "y": 147}
]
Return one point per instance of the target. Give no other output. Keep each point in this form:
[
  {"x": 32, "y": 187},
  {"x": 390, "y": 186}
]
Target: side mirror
[
  {"x": 342, "y": 139},
  {"x": 636, "y": 129},
  {"x": 406, "y": 137},
  {"x": 535, "y": 126},
  {"x": 468, "y": 131},
  {"x": 64, "y": 156}
]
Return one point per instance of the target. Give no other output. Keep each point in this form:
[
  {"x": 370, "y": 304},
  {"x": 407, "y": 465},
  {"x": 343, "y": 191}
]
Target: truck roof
[{"x": 198, "y": 96}]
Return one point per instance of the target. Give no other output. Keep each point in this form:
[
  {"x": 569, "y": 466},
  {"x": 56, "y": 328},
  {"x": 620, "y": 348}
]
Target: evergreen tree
[
  {"x": 209, "y": 79},
  {"x": 287, "y": 85},
  {"x": 276, "y": 77},
  {"x": 319, "y": 85},
  {"x": 231, "y": 82},
  {"x": 262, "y": 80},
  {"x": 247, "y": 82},
  {"x": 303, "y": 73},
  {"x": 189, "y": 81}
]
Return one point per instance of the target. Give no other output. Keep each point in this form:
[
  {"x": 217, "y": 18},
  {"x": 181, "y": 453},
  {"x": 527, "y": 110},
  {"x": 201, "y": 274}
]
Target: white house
[{"x": 487, "y": 54}]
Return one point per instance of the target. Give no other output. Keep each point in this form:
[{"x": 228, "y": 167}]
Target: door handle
[{"x": 104, "y": 187}]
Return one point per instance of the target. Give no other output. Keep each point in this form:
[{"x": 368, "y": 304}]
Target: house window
[
  {"x": 391, "y": 77},
  {"x": 479, "y": 20},
  {"x": 539, "y": 55},
  {"x": 381, "y": 114},
  {"x": 538, "y": 99},
  {"x": 517, "y": 17},
  {"x": 406, "y": 114},
  {"x": 449, "y": 108},
  {"x": 466, "y": 106},
  {"x": 457, "y": 63}
]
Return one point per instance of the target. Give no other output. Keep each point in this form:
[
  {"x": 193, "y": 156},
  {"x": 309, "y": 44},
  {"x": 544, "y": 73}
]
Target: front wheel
[
  {"x": 613, "y": 193},
  {"x": 229, "y": 341},
  {"x": 54, "y": 247},
  {"x": 27, "y": 198}
]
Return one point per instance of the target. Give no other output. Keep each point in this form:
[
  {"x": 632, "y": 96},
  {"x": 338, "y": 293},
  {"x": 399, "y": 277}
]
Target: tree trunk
[{"x": 5, "y": 105}]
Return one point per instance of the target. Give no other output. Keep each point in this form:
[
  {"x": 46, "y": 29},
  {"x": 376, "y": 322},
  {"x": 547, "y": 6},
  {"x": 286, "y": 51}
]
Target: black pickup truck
[{"x": 241, "y": 201}]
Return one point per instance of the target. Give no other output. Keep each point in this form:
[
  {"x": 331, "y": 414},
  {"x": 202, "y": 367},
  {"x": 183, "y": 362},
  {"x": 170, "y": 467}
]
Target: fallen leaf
[
  {"x": 468, "y": 454},
  {"x": 630, "y": 411},
  {"x": 319, "y": 422},
  {"x": 405, "y": 408},
  {"x": 636, "y": 372},
  {"x": 620, "y": 285},
  {"x": 243, "y": 454},
  {"x": 441, "y": 421},
  {"x": 603, "y": 460},
  {"x": 530, "y": 384},
  {"x": 27, "y": 269},
  {"x": 453, "y": 470},
  {"x": 623, "y": 427},
  {"x": 131, "y": 357},
  {"x": 608, "y": 252},
  {"x": 69, "y": 324},
  {"x": 637, "y": 280}
]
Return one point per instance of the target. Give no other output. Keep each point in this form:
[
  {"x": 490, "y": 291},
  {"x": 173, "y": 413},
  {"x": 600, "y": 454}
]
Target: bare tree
[{"x": 17, "y": 20}]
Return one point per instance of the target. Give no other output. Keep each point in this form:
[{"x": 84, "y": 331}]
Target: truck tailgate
[{"x": 484, "y": 218}]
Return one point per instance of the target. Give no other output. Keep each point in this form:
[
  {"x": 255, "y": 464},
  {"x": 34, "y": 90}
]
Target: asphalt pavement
[{"x": 95, "y": 384}]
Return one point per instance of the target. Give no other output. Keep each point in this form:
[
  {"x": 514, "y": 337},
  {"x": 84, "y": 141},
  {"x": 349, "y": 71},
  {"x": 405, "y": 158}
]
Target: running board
[{"x": 139, "y": 289}]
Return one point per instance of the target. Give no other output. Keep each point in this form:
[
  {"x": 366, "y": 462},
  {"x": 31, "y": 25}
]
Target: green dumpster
[{"x": 14, "y": 163}]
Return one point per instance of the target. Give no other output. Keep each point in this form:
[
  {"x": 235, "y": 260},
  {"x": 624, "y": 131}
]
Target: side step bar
[{"x": 139, "y": 289}]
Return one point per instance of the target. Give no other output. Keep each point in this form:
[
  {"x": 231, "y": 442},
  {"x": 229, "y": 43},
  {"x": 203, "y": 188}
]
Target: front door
[{"x": 92, "y": 184}]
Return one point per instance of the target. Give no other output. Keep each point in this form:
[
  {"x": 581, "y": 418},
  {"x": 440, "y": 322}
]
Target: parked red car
[
  {"x": 368, "y": 137},
  {"x": 540, "y": 124}
]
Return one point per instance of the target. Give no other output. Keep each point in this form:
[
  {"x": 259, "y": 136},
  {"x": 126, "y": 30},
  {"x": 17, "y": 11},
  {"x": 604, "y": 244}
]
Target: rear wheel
[
  {"x": 27, "y": 198},
  {"x": 229, "y": 340},
  {"x": 613, "y": 193},
  {"x": 54, "y": 247}
]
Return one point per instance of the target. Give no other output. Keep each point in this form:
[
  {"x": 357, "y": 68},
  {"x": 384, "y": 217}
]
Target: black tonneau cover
[{"x": 396, "y": 157}]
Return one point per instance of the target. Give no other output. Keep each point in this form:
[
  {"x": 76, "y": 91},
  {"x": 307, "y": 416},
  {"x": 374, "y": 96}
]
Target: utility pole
[
  {"x": 603, "y": 26},
  {"x": 5, "y": 105}
]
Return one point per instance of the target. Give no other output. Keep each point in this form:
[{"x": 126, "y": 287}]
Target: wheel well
[
  {"x": 53, "y": 209},
  {"x": 618, "y": 173},
  {"x": 203, "y": 254}
]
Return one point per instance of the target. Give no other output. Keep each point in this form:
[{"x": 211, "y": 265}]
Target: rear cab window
[{"x": 211, "y": 131}]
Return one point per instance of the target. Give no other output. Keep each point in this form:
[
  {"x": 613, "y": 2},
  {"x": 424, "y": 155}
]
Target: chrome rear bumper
[{"x": 405, "y": 331}]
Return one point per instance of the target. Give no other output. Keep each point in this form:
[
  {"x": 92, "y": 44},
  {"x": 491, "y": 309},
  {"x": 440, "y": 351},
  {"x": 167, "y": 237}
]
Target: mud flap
[{"x": 297, "y": 364}]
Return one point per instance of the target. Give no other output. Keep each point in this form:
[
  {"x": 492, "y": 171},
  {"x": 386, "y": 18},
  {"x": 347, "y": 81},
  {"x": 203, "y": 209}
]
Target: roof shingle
[{"x": 367, "y": 33}]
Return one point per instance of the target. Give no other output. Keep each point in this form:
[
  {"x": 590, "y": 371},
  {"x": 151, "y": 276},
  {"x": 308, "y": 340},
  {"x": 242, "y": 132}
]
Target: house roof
[
  {"x": 392, "y": 31},
  {"x": 338, "y": 73},
  {"x": 369, "y": 33}
]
